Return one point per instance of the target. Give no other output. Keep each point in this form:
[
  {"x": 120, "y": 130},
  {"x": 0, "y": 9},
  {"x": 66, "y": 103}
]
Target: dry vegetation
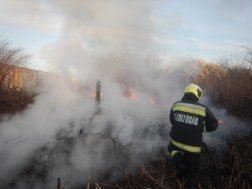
[
  {"x": 11, "y": 62},
  {"x": 235, "y": 168},
  {"x": 229, "y": 85}
]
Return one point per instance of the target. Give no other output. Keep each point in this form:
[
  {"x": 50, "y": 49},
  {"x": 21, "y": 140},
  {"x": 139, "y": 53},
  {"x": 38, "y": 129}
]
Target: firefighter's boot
[{"x": 181, "y": 169}]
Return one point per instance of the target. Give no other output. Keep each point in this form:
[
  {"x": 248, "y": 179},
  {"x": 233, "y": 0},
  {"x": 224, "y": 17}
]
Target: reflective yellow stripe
[
  {"x": 186, "y": 147},
  {"x": 174, "y": 152},
  {"x": 189, "y": 110},
  {"x": 190, "y": 105},
  {"x": 193, "y": 86}
]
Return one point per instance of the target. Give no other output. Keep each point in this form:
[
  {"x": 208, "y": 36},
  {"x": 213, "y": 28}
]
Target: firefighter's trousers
[{"x": 192, "y": 163}]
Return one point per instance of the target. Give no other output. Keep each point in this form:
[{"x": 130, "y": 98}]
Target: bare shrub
[
  {"x": 12, "y": 61},
  {"x": 235, "y": 91},
  {"x": 228, "y": 83},
  {"x": 208, "y": 70},
  {"x": 192, "y": 70}
]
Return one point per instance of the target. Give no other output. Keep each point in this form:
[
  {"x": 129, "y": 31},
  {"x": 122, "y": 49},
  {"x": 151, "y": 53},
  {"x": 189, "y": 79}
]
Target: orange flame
[
  {"x": 94, "y": 94},
  {"x": 222, "y": 123},
  {"x": 151, "y": 101},
  {"x": 133, "y": 96}
]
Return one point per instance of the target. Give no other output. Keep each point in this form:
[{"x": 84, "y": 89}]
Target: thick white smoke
[
  {"x": 63, "y": 134},
  {"x": 229, "y": 126}
]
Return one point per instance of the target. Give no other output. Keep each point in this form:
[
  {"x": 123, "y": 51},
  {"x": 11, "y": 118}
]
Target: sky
[{"x": 205, "y": 30}]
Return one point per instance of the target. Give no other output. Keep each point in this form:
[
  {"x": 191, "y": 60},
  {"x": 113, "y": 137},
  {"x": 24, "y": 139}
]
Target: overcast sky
[{"x": 199, "y": 29}]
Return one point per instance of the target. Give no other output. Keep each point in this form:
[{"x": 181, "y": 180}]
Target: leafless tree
[{"x": 12, "y": 61}]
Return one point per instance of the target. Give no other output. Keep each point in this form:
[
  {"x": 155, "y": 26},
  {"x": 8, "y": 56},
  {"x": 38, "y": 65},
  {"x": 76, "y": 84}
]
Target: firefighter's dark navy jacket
[{"x": 189, "y": 119}]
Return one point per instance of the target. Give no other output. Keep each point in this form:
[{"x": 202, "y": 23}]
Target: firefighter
[{"x": 189, "y": 119}]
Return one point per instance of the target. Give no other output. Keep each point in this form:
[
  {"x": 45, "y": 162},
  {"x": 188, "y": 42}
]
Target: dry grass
[
  {"x": 235, "y": 167},
  {"x": 232, "y": 89}
]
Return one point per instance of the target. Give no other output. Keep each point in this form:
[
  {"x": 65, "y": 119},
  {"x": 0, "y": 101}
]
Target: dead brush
[
  {"x": 235, "y": 167},
  {"x": 12, "y": 61},
  {"x": 13, "y": 101},
  {"x": 229, "y": 83}
]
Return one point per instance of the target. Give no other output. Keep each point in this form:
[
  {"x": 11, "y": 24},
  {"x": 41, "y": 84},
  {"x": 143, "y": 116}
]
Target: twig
[
  {"x": 58, "y": 183},
  {"x": 88, "y": 184},
  {"x": 159, "y": 184},
  {"x": 97, "y": 186}
]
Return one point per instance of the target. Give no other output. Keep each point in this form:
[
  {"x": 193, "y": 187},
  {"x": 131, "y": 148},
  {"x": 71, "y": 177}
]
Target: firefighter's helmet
[{"x": 194, "y": 89}]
